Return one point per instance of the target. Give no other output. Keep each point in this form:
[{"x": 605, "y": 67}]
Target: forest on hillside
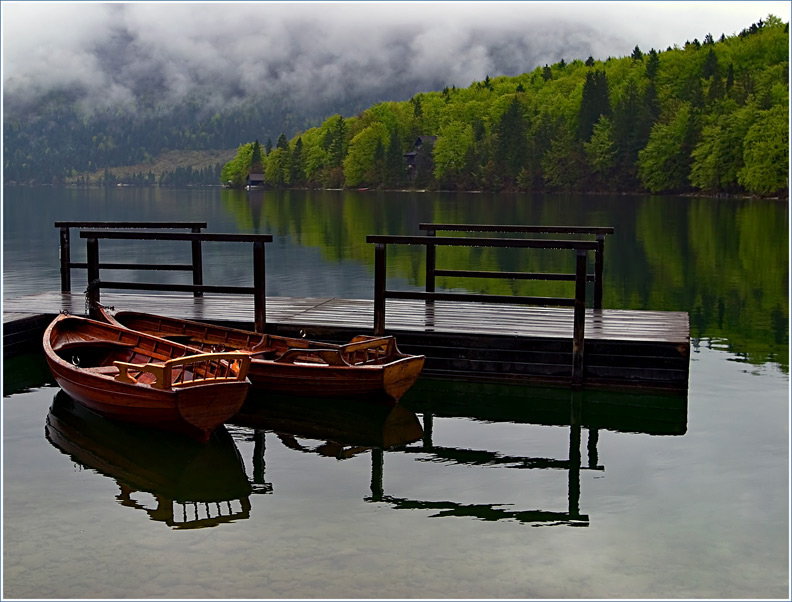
[{"x": 710, "y": 117}]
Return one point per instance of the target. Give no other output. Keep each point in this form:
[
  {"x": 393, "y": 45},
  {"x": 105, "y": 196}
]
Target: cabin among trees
[
  {"x": 255, "y": 180},
  {"x": 419, "y": 160}
]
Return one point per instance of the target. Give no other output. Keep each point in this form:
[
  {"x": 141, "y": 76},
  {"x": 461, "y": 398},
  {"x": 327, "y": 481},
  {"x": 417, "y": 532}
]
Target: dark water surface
[{"x": 482, "y": 491}]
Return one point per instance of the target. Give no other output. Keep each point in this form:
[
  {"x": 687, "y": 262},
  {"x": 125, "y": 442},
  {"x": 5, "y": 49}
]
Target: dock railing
[
  {"x": 95, "y": 283},
  {"x": 66, "y": 264},
  {"x": 580, "y": 248},
  {"x": 599, "y": 253}
]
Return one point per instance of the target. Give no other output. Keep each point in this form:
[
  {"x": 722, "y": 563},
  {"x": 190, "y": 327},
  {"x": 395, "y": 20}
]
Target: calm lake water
[{"x": 466, "y": 490}]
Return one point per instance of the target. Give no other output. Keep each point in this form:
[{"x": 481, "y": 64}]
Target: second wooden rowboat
[
  {"x": 137, "y": 378},
  {"x": 366, "y": 367}
]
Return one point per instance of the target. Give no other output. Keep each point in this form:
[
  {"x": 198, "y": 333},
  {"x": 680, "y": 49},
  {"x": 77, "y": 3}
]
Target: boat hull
[
  {"x": 192, "y": 410},
  {"x": 384, "y": 379}
]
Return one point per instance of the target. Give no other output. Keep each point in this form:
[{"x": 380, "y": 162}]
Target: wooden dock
[{"x": 624, "y": 349}]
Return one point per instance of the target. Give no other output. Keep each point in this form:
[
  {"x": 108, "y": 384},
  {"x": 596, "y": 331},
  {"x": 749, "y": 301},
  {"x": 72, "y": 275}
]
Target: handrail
[
  {"x": 66, "y": 264},
  {"x": 516, "y": 228},
  {"x": 258, "y": 290},
  {"x": 599, "y": 254},
  {"x": 578, "y": 302}
]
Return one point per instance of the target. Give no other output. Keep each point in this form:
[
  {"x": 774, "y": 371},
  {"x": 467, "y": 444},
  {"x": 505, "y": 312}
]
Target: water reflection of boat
[
  {"x": 194, "y": 485},
  {"x": 345, "y": 422}
]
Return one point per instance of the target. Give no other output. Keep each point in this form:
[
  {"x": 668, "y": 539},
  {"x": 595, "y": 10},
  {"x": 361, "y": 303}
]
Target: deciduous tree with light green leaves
[
  {"x": 452, "y": 153},
  {"x": 360, "y": 160},
  {"x": 766, "y": 152},
  {"x": 664, "y": 165}
]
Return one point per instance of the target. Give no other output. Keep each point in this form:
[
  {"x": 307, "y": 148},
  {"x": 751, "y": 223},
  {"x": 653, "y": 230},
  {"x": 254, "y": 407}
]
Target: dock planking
[{"x": 625, "y": 349}]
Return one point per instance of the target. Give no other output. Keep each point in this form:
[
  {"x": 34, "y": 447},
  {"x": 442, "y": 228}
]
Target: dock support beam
[
  {"x": 259, "y": 291},
  {"x": 579, "y": 328},
  {"x": 431, "y": 262},
  {"x": 65, "y": 260},
  {"x": 379, "y": 289},
  {"x": 197, "y": 262},
  {"x": 92, "y": 294},
  {"x": 599, "y": 259}
]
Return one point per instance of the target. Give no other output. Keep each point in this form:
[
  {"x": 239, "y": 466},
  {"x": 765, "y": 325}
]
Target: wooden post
[
  {"x": 259, "y": 464},
  {"x": 197, "y": 262},
  {"x": 379, "y": 289},
  {"x": 65, "y": 260},
  {"x": 599, "y": 260},
  {"x": 259, "y": 291},
  {"x": 431, "y": 263},
  {"x": 428, "y": 429},
  {"x": 593, "y": 454},
  {"x": 578, "y": 333},
  {"x": 93, "y": 299},
  {"x": 377, "y": 471},
  {"x": 575, "y": 423}
]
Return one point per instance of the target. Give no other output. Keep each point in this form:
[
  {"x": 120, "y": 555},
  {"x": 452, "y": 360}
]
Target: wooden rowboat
[
  {"x": 137, "y": 378},
  {"x": 367, "y": 367}
]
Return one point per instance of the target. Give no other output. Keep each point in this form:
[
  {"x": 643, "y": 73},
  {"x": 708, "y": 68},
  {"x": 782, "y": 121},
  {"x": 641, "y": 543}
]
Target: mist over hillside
[{"x": 88, "y": 86}]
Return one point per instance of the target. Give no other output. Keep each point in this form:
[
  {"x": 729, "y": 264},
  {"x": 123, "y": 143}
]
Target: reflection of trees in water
[{"x": 725, "y": 262}]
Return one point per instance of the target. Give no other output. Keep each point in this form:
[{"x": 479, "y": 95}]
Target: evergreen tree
[
  {"x": 595, "y": 102},
  {"x": 256, "y": 162},
  {"x": 652, "y": 64},
  {"x": 511, "y": 144},
  {"x": 297, "y": 167},
  {"x": 395, "y": 167}
]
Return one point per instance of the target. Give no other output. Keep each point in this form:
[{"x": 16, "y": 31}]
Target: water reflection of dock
[{"x": 345, "y": 429}]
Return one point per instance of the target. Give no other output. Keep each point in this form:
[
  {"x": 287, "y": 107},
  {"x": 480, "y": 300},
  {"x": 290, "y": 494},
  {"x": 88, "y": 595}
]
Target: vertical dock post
[
  {"x": 92, "y": 299},
  {"x": 575, "y": 424},
  {"x": 578, "y": 332},
  {"x": 431, "y": 262},
  {"x": 197, "y": 262},
  {"x": 65, "y": 260},
  {"x": 379, "y": 289},
  {"x": 259, "y": 291},
  {"x": 377, "y": 473},
  {"x": 599, "y": 260}
]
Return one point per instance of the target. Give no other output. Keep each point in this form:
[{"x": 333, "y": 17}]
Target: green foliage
[
  {"x": 595, "y": 103},
  {"x": 235, "y": 171},
  {"x": 359, "y": 165},
  {"x": 256, "y": 164},
  {"x": 706, "y": 117},
  {"x": 664, "y": 164},
  {"x": 601, "y": 151},
  {"x": 766, "y": 153},
  {"x": 452, "y": 154}
]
